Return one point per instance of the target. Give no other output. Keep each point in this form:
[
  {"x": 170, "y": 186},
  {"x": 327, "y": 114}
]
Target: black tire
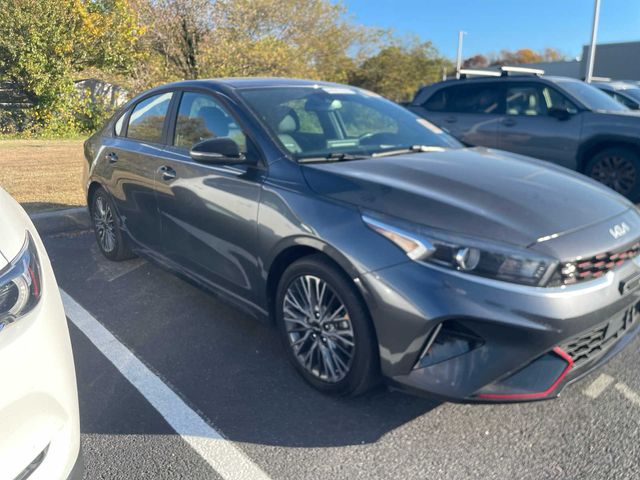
[
  {"x": 619, "y": 169},
  {"x": 102, "y": 208},
  {"x": 363, "y": 371}
]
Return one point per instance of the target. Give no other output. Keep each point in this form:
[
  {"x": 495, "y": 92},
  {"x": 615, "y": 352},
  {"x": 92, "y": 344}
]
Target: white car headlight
[
  {"x": 475, "y": 256},
  {"x": 20, "y": 284}
]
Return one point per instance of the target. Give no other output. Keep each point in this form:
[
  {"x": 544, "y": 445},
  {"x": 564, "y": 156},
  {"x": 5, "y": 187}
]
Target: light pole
[
  {"x": 459, "y": 57},
  {"x": 592, "y": 47}
]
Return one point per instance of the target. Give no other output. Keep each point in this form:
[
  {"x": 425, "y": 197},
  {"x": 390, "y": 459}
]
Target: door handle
[
  {"x": 451, "y": 119},
  {"x": 112, "y": 157},
  {"x": 509, "y": 122},
  {"x": 167, "y": 173}
]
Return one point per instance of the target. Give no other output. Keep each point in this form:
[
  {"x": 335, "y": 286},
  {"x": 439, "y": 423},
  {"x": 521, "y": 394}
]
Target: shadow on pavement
[{"x": 227, "y": 366}]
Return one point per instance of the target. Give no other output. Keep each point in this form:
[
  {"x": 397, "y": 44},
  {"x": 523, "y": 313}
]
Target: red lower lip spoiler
[{"x": 524, "y": 396}]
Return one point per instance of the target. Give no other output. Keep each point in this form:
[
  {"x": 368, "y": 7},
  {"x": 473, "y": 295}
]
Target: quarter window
[
  {"x": 119, "y": 124},
  {"x": 201, "y": 117},
  {"x": 147, "y": 119}
]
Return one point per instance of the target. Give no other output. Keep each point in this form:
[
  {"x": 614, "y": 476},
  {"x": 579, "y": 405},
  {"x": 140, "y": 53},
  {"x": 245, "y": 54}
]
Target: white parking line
[
  {"x": 225, "y": 458},
  {"x": 628, "y": 393},
  {"x": 598, "y": 386}
]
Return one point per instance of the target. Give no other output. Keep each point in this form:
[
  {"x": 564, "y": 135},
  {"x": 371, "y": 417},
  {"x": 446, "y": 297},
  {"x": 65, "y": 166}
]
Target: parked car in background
[
  {"x": 558, "y": 119},
  {"x": 626, "y": 93},
  {"x": 377, "y": 244},
  {"x": 39, "y": 421}
]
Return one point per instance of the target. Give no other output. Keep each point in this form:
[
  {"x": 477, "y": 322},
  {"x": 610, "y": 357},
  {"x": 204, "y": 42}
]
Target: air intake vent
[{"x": 594, "y": 343}]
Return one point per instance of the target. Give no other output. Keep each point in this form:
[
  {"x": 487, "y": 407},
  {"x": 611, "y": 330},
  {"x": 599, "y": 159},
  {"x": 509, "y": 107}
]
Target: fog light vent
[{"x": 448, "y": 340}]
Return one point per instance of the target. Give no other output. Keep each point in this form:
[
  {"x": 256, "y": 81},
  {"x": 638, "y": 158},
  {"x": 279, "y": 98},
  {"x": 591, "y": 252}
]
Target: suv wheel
[
  {"x": 108, "y": 233},
  {"x": 617, "y": 168},
  {"x": 326, "y": 328}
]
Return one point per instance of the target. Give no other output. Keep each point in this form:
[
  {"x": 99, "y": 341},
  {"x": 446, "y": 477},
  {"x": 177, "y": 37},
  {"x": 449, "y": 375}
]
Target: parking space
[{"x": 231, "y": 371}]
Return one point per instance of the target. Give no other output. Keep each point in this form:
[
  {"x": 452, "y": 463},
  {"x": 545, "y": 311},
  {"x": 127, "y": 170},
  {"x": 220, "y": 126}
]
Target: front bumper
[{"x": 522, "y": 333}]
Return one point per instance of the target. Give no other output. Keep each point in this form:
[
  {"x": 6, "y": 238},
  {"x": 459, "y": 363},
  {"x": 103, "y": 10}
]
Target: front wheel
[
  {"x": 326, "y": 328},
  {"x": 619, "y": 169}
]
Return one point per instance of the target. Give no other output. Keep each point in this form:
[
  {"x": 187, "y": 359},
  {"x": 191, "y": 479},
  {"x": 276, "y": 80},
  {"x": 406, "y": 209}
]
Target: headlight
[
  {"x": 477, "y": 257},
  {"x": 20, "y": 285}
]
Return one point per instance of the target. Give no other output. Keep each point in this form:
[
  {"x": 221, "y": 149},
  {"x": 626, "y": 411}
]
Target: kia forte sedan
[
  {"x": 380, "y": 248},
  {"x": 39, "y": 420}
]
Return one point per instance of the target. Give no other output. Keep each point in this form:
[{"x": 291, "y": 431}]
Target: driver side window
[
  {"x": 535, "y": 100},
  {"x": 201, "y": 117}
]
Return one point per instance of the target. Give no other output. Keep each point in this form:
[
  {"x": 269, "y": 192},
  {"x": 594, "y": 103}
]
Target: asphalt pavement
[{"x": 230, "y": 372}]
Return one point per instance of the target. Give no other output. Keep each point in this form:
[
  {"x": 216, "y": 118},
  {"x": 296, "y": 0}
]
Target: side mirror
[
  {"x": 217, "y": 151},
  {"x": 559, "y": 113}
]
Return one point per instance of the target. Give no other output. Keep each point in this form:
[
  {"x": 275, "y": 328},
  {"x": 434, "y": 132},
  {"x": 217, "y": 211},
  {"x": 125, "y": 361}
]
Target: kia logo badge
[{"x": 619, "y": 230}]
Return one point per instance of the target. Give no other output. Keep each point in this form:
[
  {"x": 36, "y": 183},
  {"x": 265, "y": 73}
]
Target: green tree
[
  {"x": 397, "y": 71},
  {"x": 44, "y": 42}
]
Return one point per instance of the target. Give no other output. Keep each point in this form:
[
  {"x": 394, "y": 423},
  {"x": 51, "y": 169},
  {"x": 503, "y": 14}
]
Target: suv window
[
  {"x": 535, "y": 99},
  {"x": 200, "y": 117},
  {"x": 481, "y": 98},
  {"x": 147, "y": 119},
  {"x": 627, "y": 102}
]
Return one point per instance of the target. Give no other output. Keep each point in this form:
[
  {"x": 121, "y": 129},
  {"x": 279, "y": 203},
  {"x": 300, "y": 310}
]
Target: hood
[
  {"x": 12, "y": 228},
  {"x": 479, "y": 192}
]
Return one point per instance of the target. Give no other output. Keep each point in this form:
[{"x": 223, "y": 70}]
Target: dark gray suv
[
  {"x": 558, "y": 119},
  {"x": 377, "y": 244}
]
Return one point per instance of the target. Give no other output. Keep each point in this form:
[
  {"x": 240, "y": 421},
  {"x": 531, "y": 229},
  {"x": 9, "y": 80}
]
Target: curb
[{"x": 61, "y": 220}]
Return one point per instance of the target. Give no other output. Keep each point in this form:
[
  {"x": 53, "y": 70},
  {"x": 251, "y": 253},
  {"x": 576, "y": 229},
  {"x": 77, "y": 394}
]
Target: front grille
[
  {"x": 594, "y": 343},
  {"x": 598, "y": 265}
]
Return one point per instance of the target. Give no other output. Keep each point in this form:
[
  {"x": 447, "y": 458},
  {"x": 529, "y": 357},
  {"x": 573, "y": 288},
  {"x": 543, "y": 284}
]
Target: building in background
[{"x": 618, "y": 61}]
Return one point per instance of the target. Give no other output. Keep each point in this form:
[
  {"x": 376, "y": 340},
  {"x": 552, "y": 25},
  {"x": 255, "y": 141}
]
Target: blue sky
[{"x": 496, "y": 24}]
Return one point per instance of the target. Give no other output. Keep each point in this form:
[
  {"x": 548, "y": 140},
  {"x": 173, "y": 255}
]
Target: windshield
[
  {"x": 331, "y": 122},
  {"x": 631, "y": 92},
  {"x": 592, "y": 97}
]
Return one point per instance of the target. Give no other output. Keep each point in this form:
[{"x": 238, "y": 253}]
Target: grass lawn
[{"x": 42, "y": 174}]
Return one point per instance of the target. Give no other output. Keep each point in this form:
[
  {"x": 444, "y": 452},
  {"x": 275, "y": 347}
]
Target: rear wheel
[
  {"x": 617, "y": 168},
  {"x": 111, "y": 240},
  {"x": 326, "y": 328}
]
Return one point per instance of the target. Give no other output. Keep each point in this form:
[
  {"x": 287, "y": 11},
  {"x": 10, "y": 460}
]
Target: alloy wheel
[
  {"x": 319, "y": 328},
  {"x": 616, "y": 172},
  {"x": 104, "y": 224}
]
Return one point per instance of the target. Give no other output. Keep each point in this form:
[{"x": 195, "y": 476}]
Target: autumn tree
[
  {"x": 177, "y": 31},
  {"x": 476, "y": 61},
  {"x": 301, "y": 38},
  {"x": 397, "y": 71}
]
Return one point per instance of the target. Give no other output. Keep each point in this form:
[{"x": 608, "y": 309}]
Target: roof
[{"x": 250, "y": 82}]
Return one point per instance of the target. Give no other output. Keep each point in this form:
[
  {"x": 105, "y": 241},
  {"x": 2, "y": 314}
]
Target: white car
[{"x": 39, "y": 420}]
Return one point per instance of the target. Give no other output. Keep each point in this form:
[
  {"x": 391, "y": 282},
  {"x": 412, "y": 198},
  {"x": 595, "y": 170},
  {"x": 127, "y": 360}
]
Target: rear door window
[
  {"x": 478, "y": 98},
  {"x": 148, "y": 118}
]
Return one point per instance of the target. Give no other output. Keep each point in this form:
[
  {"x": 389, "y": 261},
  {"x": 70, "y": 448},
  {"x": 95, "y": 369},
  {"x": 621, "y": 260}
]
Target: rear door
[
  {"x": 528, "y": 127},
  {"x": 470, "y": 111},
  {"x": 133, "y": 155},
  {"x": 209, "y": 212}
]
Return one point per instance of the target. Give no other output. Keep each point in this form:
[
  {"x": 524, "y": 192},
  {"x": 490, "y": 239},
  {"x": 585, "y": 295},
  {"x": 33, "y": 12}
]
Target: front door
[
  {"x": 209, "y": 213},
  {"x": 529, "y": 127}
]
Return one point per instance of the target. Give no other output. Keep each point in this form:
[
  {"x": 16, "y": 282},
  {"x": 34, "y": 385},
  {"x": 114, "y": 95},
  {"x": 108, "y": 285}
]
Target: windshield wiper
[
  {"x": 411, "y": 149},
  {"x": 332, "y": 157}
]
